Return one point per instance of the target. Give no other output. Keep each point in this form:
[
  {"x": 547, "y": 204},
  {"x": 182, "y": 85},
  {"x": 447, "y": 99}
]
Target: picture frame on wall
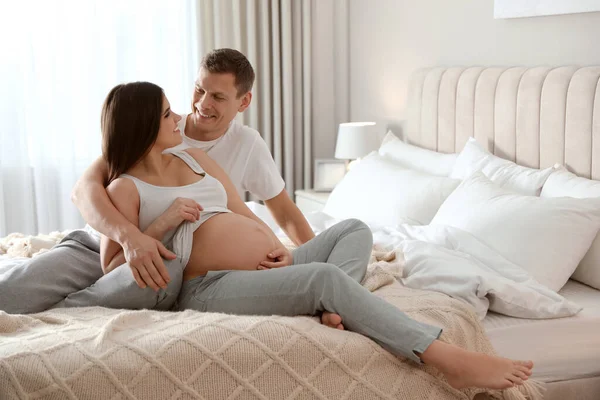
[
  {"x": 534, "y": 8},
  {"x": 328, "y": 173}
]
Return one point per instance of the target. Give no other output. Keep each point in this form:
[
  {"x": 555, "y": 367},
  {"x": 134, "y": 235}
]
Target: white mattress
[{"x": 562, "y": 349}]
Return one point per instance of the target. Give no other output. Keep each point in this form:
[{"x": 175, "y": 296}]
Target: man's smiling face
[{"x": 216, "y": 101}]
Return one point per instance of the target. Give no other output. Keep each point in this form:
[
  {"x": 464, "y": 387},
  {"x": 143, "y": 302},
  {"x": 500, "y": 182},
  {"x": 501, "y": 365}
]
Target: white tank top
[{"x": 155, "y": 200}]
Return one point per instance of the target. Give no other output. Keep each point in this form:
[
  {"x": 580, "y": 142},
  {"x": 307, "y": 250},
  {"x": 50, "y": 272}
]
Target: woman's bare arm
[
  {"x": 124, "y": 195},
  {"x": 139, "y": 250},
  {"x": 93, "y": 202}
]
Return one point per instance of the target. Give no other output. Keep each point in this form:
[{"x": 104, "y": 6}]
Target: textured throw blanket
[{"x": 117, "y": 354}]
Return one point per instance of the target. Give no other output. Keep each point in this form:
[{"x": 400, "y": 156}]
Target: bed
[
  {"x": 536, "y": 117},
  {"x": 518, "y": 113}
]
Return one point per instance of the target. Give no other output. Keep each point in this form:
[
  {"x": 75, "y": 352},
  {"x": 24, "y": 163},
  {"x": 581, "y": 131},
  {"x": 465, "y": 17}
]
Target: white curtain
[
  {"x": 60, "y": 58},
  {"x": 275, "y": 35}
]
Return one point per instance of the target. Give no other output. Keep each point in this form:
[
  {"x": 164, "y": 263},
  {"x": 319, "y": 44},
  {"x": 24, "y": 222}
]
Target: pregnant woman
[{"x": 229, "y": 261}]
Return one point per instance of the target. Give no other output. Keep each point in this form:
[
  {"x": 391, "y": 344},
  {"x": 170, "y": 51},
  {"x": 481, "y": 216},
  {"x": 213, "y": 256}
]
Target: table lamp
[{"x": 356, "y": 140}]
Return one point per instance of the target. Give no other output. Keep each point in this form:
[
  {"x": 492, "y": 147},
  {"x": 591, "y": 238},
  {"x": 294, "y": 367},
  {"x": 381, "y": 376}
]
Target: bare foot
[
  {"x": 464, "y": 368},
  {"x": 332, "y": 320}
]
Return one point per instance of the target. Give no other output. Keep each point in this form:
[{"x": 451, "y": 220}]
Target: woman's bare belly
[{"x": 228, "y": 241}]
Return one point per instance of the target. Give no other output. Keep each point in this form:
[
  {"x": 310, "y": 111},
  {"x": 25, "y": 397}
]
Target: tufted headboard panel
[{"x": 534, "y": 116}]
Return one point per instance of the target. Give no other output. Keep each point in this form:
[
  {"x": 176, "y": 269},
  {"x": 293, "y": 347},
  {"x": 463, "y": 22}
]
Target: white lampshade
[{"x": 356, "y": 140}]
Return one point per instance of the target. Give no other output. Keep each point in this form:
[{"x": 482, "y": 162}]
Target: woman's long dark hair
[{"x": 130, "y": 123}]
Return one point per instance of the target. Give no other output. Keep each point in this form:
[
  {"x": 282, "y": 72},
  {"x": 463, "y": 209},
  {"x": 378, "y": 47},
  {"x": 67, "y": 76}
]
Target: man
[{"x": 222, "y": 89}]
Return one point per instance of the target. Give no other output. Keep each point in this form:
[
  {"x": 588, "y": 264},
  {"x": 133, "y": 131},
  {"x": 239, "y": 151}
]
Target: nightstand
[{"x": 310, "y": 201}]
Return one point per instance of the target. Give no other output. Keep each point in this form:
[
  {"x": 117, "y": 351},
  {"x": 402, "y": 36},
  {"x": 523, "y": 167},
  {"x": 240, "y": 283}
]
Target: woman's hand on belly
[{"x": 278, "y": 258}]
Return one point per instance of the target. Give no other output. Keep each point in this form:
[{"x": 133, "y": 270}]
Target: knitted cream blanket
[{"x": 117, "y": 354}]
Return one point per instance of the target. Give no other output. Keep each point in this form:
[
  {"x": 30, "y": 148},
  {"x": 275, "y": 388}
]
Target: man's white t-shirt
[{"x": 244, "y": 156}]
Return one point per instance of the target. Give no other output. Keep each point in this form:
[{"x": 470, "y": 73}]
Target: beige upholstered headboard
[{"x": 534, "y": 116}]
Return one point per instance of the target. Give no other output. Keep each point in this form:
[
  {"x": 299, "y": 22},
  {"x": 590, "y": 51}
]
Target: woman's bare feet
[
  {"x": 464, "y": 368},
  {"x": 332, "y": 320}
]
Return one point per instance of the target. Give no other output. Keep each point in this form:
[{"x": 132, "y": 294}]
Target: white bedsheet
[{"x": 562, "y": 349}]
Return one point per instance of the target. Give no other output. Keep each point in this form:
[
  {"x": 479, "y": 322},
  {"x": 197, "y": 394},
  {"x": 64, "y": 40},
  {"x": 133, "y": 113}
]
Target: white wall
[{"x": 389, "y": 39}]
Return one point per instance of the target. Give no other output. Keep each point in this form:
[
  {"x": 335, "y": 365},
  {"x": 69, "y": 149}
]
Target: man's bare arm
[{"x": 290, "y": 218}]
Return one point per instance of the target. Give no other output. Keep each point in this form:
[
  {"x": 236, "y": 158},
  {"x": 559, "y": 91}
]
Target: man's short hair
[{"x": 230, "y": 61}]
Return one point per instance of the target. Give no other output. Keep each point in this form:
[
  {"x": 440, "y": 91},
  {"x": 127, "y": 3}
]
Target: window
[{"x": 60, "y": 61}]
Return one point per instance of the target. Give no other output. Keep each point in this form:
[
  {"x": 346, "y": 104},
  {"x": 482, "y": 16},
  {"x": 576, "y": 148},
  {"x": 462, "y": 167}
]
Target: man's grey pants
[
  {"x": 38, "y": 284},
  {"x": 325, "y": 276},
  {"x": 70, "y": 275}
]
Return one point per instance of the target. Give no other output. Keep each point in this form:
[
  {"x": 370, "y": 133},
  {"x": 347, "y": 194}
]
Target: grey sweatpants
[
  {"x": 70, "y": 275},
  {"x": 37, "y": 284},
  {"x": 325, "y": 276}
]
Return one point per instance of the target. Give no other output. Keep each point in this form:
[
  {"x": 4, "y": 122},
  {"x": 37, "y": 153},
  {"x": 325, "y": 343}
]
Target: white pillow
[
  {"x": 502, "y": 172},
  {"x": 547, "y": 237},
  {"x": 464, "y": 268},
  {"x": 380, "y": 192},
  {"x": 416, "y": 158},
  {"x": 563, "y": 183}
]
